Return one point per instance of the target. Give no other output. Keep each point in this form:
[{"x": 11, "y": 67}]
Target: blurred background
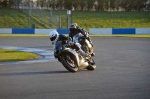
[{"x": 87, "y": 13}]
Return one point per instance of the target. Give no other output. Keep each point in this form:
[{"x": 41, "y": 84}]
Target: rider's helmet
[
  {"x": 73, "y": 27},
  {"x": 54, "y": 35}
]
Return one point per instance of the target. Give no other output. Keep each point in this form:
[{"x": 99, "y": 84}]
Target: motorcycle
[
  {"x": 86, "y": 44},
  {"x": 71, "y": 59}
]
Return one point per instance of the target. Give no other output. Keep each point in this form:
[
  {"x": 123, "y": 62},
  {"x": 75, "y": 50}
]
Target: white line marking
[{"x": 47, "y": 56}]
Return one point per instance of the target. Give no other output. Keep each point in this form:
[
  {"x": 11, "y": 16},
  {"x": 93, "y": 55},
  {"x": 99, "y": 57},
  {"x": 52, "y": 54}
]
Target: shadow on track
[{"x": 32, "y": 73}]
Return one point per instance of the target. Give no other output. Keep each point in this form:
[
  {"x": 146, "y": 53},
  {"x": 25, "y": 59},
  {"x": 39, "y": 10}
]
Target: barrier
[
  {"x": 63, "y": 31},
  {"x": 43, "y": 31},
  {"x": 31, "y": 31},
  {"x": 66, "y": 31},
  {"x": 119, "y": 30},
  {"x": 22, "y": 31},
  {"x": 123, "y": 31},
  {"x": 142, "y": 30},
  {"x": 100, "y": 30},
  {"x": 6, "y": 30}
]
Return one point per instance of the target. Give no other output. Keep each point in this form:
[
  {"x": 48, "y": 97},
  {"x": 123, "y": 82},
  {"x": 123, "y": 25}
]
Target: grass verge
[{"x": 9, "y": 55}]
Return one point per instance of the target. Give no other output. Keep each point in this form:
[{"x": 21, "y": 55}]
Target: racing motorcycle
[
  {"x": 71, "y": 59},
  {"x": 86, "y": 44}
]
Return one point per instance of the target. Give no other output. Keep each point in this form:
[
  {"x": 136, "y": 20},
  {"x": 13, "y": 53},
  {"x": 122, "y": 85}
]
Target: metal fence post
[
  {"x": 71, "y": 17},
  {"x": 23, "y": 7},
  {"x": 67, "y": 22},
  {"x": 51, "y": 15},
  {"x": 59, "y": 21},
  {"x": 29, "y": 20}
]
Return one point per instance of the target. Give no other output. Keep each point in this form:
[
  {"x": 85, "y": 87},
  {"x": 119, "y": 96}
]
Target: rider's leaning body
[{"x": 55, "y": 36}]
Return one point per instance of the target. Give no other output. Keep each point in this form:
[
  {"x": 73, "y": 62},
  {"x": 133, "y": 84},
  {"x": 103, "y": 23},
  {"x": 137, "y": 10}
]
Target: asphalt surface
[{"x": 123, "y": 72}]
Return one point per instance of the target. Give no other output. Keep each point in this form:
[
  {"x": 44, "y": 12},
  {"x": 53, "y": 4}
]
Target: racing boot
[
  {"x": 86, "y": 55},
  {"x": 78, "y": 48}
]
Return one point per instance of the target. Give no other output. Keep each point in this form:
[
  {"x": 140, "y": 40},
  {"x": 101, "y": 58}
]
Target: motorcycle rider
[
  {"x": 75, "y": 29},
  {"x": 55, "y": 36}
]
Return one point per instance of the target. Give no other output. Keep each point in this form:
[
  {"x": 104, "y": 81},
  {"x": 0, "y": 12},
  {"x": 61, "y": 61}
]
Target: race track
[{"x": 123, "y": 72}]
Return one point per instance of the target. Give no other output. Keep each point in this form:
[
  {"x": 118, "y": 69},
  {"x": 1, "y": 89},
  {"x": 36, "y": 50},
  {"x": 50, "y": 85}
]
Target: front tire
[{"x": 69, "y": 63}]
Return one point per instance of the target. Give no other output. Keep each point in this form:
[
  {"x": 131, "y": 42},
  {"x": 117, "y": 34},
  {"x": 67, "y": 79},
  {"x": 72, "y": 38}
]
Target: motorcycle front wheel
[{"x": 69, "y": 62}]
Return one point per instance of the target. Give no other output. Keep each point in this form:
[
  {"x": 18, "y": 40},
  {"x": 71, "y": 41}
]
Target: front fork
[{"x": 89, "y": 39}]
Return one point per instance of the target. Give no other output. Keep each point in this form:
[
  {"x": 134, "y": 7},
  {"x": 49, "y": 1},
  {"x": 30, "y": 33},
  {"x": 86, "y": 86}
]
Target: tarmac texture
[{"x": 123, "y": 72}]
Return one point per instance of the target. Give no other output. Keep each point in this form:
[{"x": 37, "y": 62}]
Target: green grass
[
  {"x": 7, "y": 55},
  {"x": 112, "y": 19},
  {"x": 87, "y": 19}
]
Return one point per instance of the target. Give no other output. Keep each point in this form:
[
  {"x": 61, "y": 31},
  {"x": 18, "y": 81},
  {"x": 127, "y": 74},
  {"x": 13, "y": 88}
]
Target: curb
[{"x": 46, "y": 55}]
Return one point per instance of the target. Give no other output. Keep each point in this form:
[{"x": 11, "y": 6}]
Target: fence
[
  {"x": 37, "y": 17},
  {"x": 34, "y": 17}
]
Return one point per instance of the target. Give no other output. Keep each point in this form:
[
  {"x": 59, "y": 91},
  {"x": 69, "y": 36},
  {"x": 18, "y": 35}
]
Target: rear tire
[
  {"x": 67, "y": 64},
  {"x": 92, "y": 65},
  {"x": 93, "y": 54}
]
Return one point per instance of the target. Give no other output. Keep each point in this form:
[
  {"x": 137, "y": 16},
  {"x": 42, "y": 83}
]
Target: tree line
[{"x": 88, "y": 5}]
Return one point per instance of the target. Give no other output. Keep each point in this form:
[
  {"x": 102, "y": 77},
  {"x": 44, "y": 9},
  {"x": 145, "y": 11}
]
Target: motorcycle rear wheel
[{"x": 92, "y": 65}]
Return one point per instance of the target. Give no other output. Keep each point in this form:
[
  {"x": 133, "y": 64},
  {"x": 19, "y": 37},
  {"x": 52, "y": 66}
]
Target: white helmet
[{"x": 54, "y": 35}]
